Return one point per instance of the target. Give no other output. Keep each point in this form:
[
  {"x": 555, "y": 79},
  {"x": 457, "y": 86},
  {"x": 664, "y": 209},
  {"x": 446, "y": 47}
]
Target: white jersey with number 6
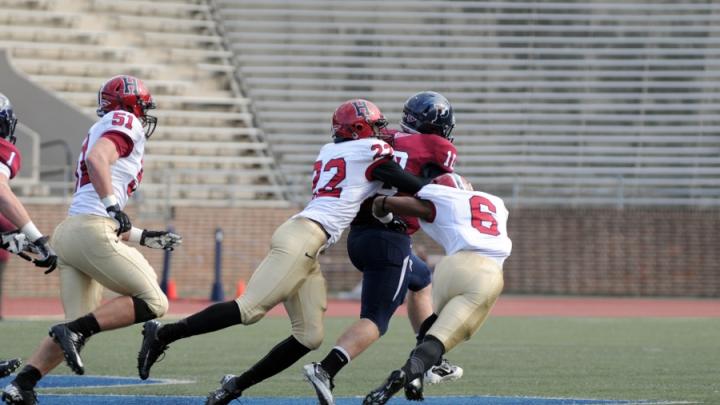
[
  {"x": 126, "y": 172},
  {"x": 468, "y": 221},
  {"x": 342, "y": 181}
]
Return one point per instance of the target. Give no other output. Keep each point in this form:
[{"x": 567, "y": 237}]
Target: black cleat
[
  {"x": 383, "y": 393},
  {"x": 150, "y": 349},
  {"x": 227, "y": 392},
  {"x": 414, "y": 390},
  {"x": 71, "y": 344},
  {"x": 12, "y": 394},
  {"x": 8, "y": 366},
  {"x": 321, "y": 381}
]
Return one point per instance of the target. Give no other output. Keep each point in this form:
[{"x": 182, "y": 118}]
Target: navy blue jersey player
[{"x": 383, "y": 252}]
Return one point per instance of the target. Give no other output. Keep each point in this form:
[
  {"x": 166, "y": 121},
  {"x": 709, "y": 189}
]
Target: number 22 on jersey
[{"x": 329, "y": 188}]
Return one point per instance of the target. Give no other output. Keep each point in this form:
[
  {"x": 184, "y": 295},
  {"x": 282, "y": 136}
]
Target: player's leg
[
  {"x": 98, "y": 252},
  {"x": 383, "y": 257},
  {"x": 306, "y": 309},
  {"x": 466, "y": 286},
  {"x": 420, "y": 313},
  {"x": 6, "y": 366},
  {"x": 293, "y": 255},
  {"x": 80, "y": 294}
]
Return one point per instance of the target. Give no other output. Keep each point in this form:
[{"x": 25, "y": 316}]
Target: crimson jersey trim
[{"x": 123, "y": 143}]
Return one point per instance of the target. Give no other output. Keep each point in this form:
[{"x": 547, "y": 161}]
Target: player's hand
[
  {"x": 160, "y": 239},
  {"x": 46, "y": 255},
  {"x": 15, "y": 242},
  {"x": 397, "y": 224},
  {"x": 122, "y": 219}
]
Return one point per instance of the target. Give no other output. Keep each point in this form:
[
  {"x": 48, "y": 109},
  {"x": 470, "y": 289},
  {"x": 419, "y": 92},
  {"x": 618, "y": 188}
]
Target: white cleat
[{"x": 443, "y": 372}]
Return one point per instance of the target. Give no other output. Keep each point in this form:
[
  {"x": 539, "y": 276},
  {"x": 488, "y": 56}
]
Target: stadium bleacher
[
  {"x": 206, "y": 124},
  {"x": 557, "y": 103}
]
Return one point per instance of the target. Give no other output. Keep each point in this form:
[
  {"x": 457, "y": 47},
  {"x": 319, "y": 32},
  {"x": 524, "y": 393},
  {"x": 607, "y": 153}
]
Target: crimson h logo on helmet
[
  {"x": 129, "y": 85},
  {"x": 361, "y": 108}
]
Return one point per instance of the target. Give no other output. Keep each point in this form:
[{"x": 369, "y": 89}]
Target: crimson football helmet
[
  {"x": 453, "y": 180},
  {"x": 127, "y": 93},
  {"x": 7, "y": 119},
  {"x": 357, "y": 119}
]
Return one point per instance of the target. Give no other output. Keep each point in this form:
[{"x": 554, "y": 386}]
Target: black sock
[
  {"x": 215, "y": 317},
  {"x": 85, "y": 325},
  {"x": 423, "y": 357},
  {"x": 280, "y": 357},
  {"x": 28, "y": 377},
  {"x": 424, "y": 327},
  {"x": 334, "y": 362}
]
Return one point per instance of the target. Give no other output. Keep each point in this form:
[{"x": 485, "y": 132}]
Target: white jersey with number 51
[
  {"x": 120, "y": 127},
  {"x": 342, "y": 180},
  {"x": 467, "y": 220}
]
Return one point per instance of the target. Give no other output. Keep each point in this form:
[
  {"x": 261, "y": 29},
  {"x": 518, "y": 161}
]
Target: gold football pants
[
  {"x": 91, "y": 256},
  {"x": 465, "y": 288},
  {"x": 290, "y": 274}
]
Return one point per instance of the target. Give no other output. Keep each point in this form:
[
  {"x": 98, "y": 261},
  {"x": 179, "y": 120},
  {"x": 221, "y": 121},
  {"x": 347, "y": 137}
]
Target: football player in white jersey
[
  {"x": 89, "y": 241},
  {"x": 346, "y": 172},
  {"x": 27, "y": 236},
  {"x": 472, "y": 228}
]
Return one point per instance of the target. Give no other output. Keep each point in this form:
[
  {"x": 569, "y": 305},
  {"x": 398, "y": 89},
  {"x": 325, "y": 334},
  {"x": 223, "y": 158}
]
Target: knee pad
[{"x": 145, "y": 311}]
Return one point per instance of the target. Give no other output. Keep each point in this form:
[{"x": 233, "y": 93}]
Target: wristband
[
  {"x": 383, "y": 204},
  {"x": 109, "y": 201},
  {"x": 31, "y": 231},
  {"x": 386, "y": 219},
  {"x": 135, "y": 235}
]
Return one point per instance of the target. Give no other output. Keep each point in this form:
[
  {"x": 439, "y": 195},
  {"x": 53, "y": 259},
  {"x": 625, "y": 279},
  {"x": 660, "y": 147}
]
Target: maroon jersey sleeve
[{"x": 10, "y": 157}]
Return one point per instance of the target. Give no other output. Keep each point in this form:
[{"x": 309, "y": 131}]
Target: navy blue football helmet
[
  {"x": 428, "y": 112},
  {"x": 7, "y": 119}
]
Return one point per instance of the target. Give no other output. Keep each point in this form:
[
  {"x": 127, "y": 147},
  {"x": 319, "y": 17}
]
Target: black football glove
[
  {"x": 47, "y": 257},
  {"x": 122, "y": 219},
  {"x": 160, "y": 240},
  {"x": 397, "y": 224}
]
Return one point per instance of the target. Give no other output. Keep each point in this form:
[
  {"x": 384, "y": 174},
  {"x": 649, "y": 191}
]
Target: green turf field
[{"x": 658, "y": 359}]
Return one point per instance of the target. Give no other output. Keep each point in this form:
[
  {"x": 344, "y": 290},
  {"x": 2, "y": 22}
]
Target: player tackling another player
[
  {"x": 89, "y": 241},
  {"x": 472, "y": 228},
  {"x": 383, "y": 253},
  {"x": 346, "y": 172}
]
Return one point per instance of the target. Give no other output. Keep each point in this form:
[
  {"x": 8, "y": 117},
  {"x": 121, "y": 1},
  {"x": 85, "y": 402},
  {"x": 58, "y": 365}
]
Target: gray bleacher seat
[
  {"x": 205, "y": 123},
  {"x": 562, "y": 91}
]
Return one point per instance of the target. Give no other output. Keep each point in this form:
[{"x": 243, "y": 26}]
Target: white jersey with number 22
[{"x": 342, "y": 181}]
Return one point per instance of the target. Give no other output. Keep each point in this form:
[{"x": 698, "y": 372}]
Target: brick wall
[{"x": 658, "y": 252}]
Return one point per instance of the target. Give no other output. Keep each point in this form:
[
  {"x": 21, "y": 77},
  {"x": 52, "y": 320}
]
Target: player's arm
[
  {"x": 14, "y": 211},
  {"x": 389, "y": 172},
  {"x": 10, "y": 206},
  {"x": 153, "y": 239},
  {"x": 384, "y": 207},
  {"x": 102, "y": 155}
]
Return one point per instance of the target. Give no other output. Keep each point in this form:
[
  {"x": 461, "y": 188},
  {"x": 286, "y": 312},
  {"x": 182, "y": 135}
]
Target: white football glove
[{"x": 160, "y": 239}]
